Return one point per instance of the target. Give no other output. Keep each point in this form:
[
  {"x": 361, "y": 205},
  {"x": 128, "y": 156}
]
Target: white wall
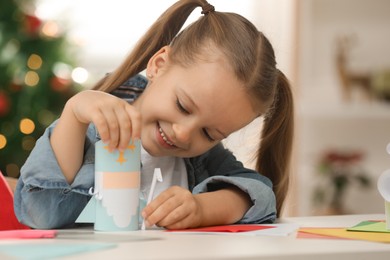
[
  {"x": 106, "y": 30},
  {"x": 325, "y": 121},
  {"x": 322, "y": 21}
]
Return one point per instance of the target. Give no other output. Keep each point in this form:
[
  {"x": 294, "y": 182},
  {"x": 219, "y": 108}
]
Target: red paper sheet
[
  {"x": 8, "y": 220},
  {"x": 225, "y": 228}
]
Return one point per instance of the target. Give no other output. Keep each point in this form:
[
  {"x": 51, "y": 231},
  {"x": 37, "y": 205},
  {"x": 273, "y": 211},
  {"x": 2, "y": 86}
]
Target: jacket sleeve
[
  {"x": 43, "y": 199},
  {"x": 221, "y": 168}
]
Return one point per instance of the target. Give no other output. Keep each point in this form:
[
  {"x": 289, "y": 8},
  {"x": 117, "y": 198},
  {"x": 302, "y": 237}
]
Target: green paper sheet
[{"x": 370, "y": 226}]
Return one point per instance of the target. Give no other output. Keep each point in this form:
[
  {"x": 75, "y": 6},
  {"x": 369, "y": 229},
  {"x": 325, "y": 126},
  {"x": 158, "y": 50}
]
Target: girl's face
[{"x": 187, "y": 111}]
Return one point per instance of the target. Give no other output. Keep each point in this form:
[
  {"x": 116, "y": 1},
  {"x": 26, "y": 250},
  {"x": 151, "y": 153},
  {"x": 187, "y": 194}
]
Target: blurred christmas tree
[{"x": 35, "y": 80}]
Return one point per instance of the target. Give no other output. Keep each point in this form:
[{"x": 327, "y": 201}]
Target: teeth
[{"x": 164, "y": 137}]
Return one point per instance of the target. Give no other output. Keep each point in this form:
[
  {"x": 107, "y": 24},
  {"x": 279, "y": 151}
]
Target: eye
[
  {"x": 207, "y": 135},
  {"x": 181, "y": 108}
]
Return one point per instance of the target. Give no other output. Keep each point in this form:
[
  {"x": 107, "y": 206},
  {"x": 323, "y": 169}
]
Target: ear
[{"x": 158, "y": 62}]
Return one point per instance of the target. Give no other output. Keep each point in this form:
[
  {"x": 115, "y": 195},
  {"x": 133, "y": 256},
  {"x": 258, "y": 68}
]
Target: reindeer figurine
[{"x": 351, "y": 79}]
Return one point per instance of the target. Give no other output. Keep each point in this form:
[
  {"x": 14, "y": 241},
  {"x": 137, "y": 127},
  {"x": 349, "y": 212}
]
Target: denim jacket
[{"x": 43, "y": 198}]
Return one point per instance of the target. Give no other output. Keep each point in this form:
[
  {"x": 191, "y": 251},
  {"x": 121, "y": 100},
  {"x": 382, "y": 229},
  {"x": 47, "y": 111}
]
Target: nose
[{"x": 182, "y": 132}]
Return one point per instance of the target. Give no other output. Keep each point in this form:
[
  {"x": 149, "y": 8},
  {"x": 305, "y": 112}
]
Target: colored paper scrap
[
  {"x": 225, "y": 228},
  {"x": 88, "y": 215},
  {"x": 8, "y": 220},
  {"x": 370, "y": 226},
  {"x": 310, "y": 235},
  {"x": 97, "y": 236},
  {"x": 280, "y": 229},
  {"x": 49, "y": 251},
  {"x": 345, "y": 234},
  {"x": 27, "y": 234}
]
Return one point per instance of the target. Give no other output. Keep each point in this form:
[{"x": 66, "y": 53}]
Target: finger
[
  {"x": 113, "y": 127},
  {"x": 101, "y": 125},
  {"x": 135, "y": 117},
  {"x": 177, "y": 218},
  {"x": 124, "y": 128},
  {"x": 158, "y": 208},
  {"x": 156, "y": 202}
]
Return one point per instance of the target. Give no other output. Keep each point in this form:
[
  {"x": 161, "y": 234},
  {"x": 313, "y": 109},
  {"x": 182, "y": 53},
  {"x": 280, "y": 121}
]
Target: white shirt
[{"x": 173, "y": 172}]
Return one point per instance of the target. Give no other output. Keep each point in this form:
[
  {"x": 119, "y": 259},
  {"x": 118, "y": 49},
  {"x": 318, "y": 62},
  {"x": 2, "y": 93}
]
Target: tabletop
[{"x": 158, "y": 244}]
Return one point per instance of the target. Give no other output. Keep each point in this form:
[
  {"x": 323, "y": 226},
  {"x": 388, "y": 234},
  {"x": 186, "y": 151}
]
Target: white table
[{"x": 156, "y": 244}]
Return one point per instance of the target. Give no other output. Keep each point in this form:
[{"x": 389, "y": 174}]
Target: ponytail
[
  {"x": 160, "y": 34},
  {"x": 276, "y": 141}
]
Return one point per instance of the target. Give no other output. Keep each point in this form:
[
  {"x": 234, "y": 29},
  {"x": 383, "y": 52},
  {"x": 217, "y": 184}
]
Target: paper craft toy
[
  {"x": 114, "y": 205},
  {"x": 384, "y": 189},
  {"x": 8, "y": 220},
  {"x": 157, "y": 177}
]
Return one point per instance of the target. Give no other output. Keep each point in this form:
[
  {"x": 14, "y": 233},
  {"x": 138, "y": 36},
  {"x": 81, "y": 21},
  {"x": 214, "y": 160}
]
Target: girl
[{"x": 203, "y": 84}]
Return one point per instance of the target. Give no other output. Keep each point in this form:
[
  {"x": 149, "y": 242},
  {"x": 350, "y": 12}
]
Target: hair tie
[{"x": 206, "y": 9}]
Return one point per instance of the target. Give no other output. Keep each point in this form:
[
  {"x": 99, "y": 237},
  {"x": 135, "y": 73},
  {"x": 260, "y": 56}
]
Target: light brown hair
[{"x": 252, "y": 58}]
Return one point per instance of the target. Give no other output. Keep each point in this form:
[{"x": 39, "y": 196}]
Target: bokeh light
[
  {"x": 31, "y": 79},
  {"x": 34, "y": 62},
  {"x": 79, "y": 75},
  {"x": 3, "y": 141},
  {"x": 9, "y": 50},
  {"x": 50, "y": 29},
  {"x": 26, "y": 126},
  {"x": 62, "y": 70}
]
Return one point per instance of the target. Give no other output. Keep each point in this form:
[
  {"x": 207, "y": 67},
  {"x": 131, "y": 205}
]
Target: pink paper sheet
[{"x": 27, "y": 234}]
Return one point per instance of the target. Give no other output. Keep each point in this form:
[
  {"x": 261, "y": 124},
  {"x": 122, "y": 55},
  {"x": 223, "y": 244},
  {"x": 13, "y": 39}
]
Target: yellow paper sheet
[{"x": 343, "y": 233}]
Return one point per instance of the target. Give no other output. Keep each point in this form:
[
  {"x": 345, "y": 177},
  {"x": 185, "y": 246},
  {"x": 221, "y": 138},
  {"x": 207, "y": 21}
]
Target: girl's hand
[
  {"x": 175, "y": 208},
  {"x": 116, "y": 120}
]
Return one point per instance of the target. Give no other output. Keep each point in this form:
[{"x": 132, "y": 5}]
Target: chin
[
  {"x": 148, "y": 149},
  {"x": 152, "y": 150}
]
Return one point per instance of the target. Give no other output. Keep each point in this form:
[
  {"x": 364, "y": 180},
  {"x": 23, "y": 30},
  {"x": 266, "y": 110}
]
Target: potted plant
[{"x": 338, "y": 170}]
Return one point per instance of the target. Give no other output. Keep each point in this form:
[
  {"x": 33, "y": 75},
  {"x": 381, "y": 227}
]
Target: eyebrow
[{"x": 197, "y": 108}]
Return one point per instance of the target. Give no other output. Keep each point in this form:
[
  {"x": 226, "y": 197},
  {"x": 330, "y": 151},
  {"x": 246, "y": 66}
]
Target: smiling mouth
[{"x": 166, "y": 140}]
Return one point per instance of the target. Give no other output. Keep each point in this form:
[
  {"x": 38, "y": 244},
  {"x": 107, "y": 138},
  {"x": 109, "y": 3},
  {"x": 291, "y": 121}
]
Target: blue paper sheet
[{"x": 49, "y": 251}]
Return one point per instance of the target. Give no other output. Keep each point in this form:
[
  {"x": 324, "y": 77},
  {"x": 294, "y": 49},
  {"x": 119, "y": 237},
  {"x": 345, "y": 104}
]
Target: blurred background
[{"x": 335, "y": 52}]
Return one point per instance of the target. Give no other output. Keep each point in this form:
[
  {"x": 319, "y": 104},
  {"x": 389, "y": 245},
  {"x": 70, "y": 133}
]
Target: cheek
[
  {"x": 156, "y": 108},
  {"x": 200, "y": 147},
  {"x": 157, "y": 114}
]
